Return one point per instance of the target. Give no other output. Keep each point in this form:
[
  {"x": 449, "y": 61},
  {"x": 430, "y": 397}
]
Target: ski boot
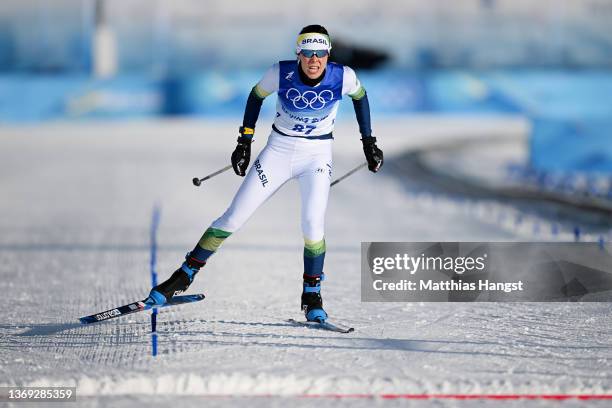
[
  {"x": 312, "y": 303},
  {"x": 177, "y": 283}
]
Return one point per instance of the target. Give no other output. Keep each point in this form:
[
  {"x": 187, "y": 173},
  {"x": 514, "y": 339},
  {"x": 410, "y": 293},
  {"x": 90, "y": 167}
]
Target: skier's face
[{"x": 314, "y": 66}]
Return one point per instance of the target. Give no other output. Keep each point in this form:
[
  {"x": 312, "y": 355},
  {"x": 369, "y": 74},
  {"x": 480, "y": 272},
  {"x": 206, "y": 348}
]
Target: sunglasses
[{"x": 311, "y": 53}]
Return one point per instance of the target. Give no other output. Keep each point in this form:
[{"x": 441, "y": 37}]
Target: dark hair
[{"x": 314, "y": 28}]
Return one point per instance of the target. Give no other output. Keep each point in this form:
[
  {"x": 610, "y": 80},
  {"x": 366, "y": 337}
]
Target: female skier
[{"x": 299, "y": 147}]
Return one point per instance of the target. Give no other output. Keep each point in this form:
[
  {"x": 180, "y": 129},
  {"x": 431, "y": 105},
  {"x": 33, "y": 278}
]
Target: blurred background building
[{"x": 189, "y": 36}]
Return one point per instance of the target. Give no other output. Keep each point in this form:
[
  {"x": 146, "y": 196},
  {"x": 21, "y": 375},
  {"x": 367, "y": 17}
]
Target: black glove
[
  {"x": 242, "y": 154},
  {"x": 373, "y": 154}
]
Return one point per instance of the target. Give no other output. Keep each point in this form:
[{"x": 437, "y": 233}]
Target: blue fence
[
  {"x": 25, "y": 98},
  {"x": 580, "y": 144}
]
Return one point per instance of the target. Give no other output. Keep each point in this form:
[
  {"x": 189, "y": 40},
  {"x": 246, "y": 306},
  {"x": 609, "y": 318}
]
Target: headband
[{"x": 312, "y": 41}]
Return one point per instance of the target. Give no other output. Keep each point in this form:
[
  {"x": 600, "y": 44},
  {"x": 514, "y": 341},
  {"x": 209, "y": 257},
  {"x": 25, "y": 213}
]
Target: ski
[
  {"x": 137, "y": 307},
  {"x": 325, "y": 325}
]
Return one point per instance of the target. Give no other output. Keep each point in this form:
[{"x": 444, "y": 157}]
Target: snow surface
[{"x": 76, "y": 205}]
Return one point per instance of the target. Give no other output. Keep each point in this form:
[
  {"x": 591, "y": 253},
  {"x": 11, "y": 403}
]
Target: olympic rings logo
[{"x": 309, "y": 99}]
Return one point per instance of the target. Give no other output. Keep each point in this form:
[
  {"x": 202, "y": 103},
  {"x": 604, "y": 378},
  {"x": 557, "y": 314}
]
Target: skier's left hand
[{"x": 373, "y": 154}]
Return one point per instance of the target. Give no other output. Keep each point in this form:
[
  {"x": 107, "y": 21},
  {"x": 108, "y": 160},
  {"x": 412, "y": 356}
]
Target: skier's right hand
[{"x": 242, "y": 154}]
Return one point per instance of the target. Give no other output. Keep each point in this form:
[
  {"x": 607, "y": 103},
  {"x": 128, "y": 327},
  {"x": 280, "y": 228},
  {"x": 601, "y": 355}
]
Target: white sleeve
[
  {"x": 350, "y": 83},
  {"x": 269, "y": 83}
]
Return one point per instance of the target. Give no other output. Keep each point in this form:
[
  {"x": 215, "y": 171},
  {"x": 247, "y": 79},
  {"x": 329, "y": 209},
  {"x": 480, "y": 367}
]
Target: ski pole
[
  {"x": 198, "y": 181},
  {"x": 347, "y": 174}
]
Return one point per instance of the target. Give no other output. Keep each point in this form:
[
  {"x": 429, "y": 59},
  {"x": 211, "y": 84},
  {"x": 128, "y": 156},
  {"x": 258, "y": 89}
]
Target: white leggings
[{"x": 285, "y": 158}]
